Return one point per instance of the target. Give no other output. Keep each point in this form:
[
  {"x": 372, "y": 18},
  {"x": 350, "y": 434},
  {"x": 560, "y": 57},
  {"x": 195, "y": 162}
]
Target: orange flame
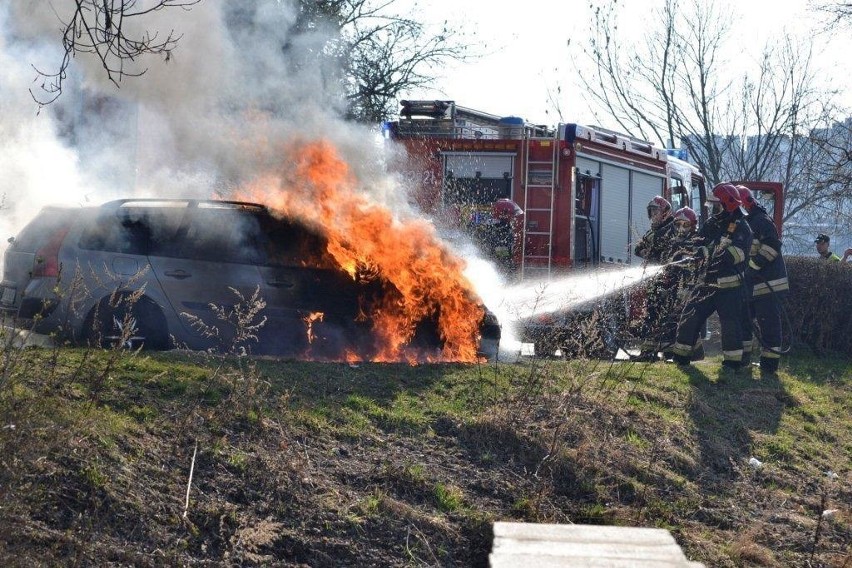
[
  {"x": 309, "y": 321},
  {"x": 316, "y": 186}
]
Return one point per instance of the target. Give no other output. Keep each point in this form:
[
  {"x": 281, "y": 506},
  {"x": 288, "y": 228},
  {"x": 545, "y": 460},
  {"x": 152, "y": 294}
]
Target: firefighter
[
  {"x": 766, "y": 282},
  {"x": 726, "y": 240},
  {"x": 655, "y": 244},
  {"x": 685, "y": 241},
  {"x": 682, "y": 276},
  {"x": 655, "y": 247},
  {"x": 500, "y": 233},
  {"x": 822, "y": 242}
]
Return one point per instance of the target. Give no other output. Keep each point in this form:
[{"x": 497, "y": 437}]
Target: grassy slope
[{"x": 327, "y": 464}]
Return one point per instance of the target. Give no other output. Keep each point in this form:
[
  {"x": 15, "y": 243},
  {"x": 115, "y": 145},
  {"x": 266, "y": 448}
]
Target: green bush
[{"x": 819, "y": 303}]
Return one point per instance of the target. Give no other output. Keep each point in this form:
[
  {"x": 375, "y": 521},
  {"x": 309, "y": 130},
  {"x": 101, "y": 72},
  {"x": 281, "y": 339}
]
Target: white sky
[{"x": 529, "y": 53}]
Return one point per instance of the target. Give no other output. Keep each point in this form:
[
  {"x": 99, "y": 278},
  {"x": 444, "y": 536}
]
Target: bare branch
[{"x": 98, "y": 27}]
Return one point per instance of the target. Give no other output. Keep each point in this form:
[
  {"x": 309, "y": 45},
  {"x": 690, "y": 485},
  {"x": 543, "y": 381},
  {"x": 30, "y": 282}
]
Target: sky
[
  {"x": 527, "y": 51},
  {"x": 182, "y": 125}
]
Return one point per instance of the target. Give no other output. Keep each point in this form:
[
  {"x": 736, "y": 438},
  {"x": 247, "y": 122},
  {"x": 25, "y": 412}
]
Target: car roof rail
[{"x": 189, "y": 203}]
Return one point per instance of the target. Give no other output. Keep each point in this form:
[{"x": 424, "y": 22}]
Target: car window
[
  {"x": 133, "y": 230},
  {"x": 289, "y": 243},
  {"x": 222, "y": 235},
  {"x": 36, "y": 233}
]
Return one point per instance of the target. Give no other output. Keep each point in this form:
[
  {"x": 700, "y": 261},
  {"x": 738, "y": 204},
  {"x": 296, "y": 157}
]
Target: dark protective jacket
[
  {"x": 766, "y": 270},
  {"x": 655, "y": 245},
  {"x": 726, "y": 242}
]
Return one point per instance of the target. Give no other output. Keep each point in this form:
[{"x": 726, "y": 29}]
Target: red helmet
[
  {"x": 746, "y": 197},
  {"x": 729, "y": 196},
  {"x": 659, "y": 202},
  {"x": 685, "y": 220},
  {"x": 505, "y": 209}
]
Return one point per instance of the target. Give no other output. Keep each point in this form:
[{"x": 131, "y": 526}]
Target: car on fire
[{"x": 164, "y": 273}]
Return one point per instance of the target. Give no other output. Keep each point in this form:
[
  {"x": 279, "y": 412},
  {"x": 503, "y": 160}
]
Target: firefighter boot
[
  {"x": 680, "y": 360},
  {"x": 769, "y": 365},
  {"x": 729, "y": 369},
  {"x": 746, "y": 353}
]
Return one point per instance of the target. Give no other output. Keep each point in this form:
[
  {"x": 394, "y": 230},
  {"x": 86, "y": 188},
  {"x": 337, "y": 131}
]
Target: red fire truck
[{"x": 582, "y": 190}]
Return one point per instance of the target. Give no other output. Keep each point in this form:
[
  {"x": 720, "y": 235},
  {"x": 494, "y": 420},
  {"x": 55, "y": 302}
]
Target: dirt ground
[{"x": 391, "y": 465}]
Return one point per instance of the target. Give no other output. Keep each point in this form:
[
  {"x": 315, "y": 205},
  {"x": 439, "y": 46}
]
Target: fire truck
[{"x": 582, "y": 190}]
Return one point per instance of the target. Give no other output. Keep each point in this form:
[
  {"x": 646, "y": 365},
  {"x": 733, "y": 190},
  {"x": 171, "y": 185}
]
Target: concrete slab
[{"x": 590, "y": 546}]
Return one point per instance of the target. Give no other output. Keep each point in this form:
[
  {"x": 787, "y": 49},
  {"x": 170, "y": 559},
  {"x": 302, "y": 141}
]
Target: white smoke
[
  {"x": 36, "y": 166},
  {"x": 240, "y": 82}
]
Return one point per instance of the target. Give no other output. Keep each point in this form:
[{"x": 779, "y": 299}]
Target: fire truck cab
[{"x": 582, "y": 190}]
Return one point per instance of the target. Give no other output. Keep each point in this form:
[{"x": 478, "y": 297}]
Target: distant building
[{"x": 819, "y": 161}]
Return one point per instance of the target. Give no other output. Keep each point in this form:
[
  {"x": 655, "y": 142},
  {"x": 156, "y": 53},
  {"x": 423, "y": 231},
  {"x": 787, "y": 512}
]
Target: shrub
[{"x": 818, "y": 305}]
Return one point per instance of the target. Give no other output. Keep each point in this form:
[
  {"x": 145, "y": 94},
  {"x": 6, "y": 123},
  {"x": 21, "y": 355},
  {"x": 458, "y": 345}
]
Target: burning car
[{"x": 202, "y": 274}]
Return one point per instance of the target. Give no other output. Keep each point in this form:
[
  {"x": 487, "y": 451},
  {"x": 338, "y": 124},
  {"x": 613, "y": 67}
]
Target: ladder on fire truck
[{"x": 540, "y": 171}]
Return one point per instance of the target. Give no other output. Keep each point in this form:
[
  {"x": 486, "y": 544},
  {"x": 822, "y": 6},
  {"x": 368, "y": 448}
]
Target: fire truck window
[
  {"x": 679, "y": 197},
  {"x": 766, "y": 199}
]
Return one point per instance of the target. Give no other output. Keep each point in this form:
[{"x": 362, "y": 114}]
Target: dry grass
[{"x": 330, "y": 464}]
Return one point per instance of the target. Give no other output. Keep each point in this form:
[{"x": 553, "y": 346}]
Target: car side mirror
[{"x": 10, "y": 240}]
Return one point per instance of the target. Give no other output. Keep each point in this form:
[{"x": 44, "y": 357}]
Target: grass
[{"x": 322, "y": 464}]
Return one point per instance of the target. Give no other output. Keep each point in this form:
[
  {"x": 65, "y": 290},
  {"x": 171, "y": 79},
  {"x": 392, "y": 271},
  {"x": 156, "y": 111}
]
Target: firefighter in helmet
[
  {"x": 766, "y": 282},
  {"x": 655, "y": 244},
  {"x": 683, "y": 275},
  {"x": 655, "y": 247},
  {"x": 685, "y": 241},
  {"x": 726, "y": 239},
  {"x": 501, "y": 233}
]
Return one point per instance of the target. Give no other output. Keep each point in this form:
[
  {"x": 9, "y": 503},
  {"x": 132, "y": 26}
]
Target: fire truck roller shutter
[
  {"x": 643, "y": 189},
  {"x": 615, "y": 204}
]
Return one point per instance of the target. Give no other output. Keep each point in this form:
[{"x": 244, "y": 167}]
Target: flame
[
  {"x": 309, "y": 322},
  {"x": 316, "y": 186}
]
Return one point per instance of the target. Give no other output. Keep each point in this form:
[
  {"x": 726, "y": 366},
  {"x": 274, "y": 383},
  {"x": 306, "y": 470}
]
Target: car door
[
  {"x": 210, "y": 275},
  {"x": 313, "y": 305}
]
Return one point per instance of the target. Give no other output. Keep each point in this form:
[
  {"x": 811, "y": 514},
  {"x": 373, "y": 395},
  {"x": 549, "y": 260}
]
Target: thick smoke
[
  {"x": 242, "y": 82},
  {"x": 37, "y": 165}
]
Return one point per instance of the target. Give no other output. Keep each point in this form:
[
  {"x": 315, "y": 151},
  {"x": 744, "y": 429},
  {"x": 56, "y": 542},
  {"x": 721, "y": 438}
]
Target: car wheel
[{"x": 120, "y": 321}]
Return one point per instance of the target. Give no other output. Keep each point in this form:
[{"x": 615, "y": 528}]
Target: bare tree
[
  {"x": 675, "y": 88},
  {"x": 380, "y": 53},
  {"x": 837, "y": 13},
  {"x": 383, "y": 53},
  {"x": 100, "y": 27}
]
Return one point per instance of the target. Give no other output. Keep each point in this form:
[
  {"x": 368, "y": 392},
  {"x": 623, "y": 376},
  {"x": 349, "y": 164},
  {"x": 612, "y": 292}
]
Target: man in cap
[{"x": 822, "y": 243}]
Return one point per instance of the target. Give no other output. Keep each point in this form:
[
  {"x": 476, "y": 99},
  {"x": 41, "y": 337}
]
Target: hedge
[{"x": 819, "y": 304}]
